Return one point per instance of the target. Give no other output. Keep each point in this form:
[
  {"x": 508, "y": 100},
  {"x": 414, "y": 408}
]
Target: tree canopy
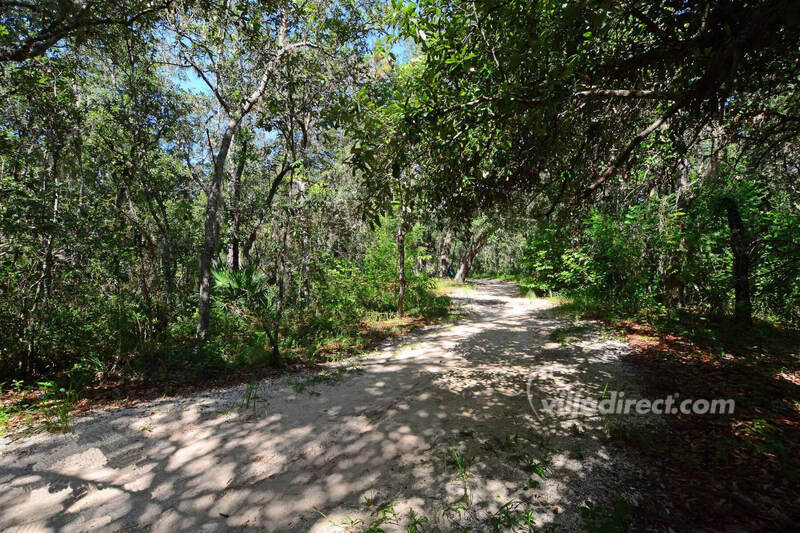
[{"x": 152, "y": 150}]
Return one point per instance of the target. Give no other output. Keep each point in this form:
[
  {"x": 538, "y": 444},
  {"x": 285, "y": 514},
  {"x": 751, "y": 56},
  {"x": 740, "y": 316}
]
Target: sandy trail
[{"x": 319, "y": 453}]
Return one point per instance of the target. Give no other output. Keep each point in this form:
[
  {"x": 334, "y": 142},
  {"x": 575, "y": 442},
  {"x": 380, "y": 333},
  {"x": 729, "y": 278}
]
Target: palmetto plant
[
  {"x": 244, "y": 291},
  {"x": 248, "y": 293}
]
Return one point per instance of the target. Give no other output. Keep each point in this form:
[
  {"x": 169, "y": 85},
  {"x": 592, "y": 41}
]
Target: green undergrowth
[{"x": 238, "y": 351}]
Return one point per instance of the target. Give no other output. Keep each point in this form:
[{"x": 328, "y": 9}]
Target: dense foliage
[
  {"x": 136, "y": 140},
  {"x": 655, "y": 259},
  {"x": 647, "y": 151},
  {"x": 220, "y": 181},
  {"x": 200, "y": 189}
]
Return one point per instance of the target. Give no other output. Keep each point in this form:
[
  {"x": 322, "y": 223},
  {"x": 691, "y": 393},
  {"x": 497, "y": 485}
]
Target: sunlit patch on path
[{"x": 435, "y": 429}]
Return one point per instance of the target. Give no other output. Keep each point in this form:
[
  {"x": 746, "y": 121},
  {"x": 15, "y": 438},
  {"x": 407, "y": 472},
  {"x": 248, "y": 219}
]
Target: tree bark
[
  {"x": 235, "y": 223},
  {"x": 401, "y": 266},
  {"x": 743, "y": 309},
  {"x": 277, "y": 360},
  {"x": 247, "y": 246},
  {"x": 210, "y": 234},
  {"x": 472, "y": 251},
  {"x": 444, "y": 253},
  {"x": 47, "y": 263},
  {"x": 45, "y": 280}
]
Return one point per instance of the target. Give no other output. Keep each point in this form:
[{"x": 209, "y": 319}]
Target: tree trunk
[
  {"x": 304, "y": 281},
  {"x": 45, "y": 280},
  {"x": 472, "y": 252},
  {"x": 210, "y": 235},
  {"x": 47, "y": 264},
  {"x": 277, "y": 360},
  {"x": 444, "y": 253},
  {"x": 743, "y": 309},
  {"x": 168, "y": 274},
  {"x": 248, "y": 246},
  {"x": 401, "y": 266},
  {"x": 235, "y": 223}
]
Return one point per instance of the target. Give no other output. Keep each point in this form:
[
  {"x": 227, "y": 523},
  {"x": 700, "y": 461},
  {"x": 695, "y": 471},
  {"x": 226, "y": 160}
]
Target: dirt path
[{"x": 348, "y": 448}]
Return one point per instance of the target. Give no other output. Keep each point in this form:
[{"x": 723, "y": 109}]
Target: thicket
[
  {"x": 197, "y": 184},
  {"x": 662, "y": 257},
  {"x": 82, "y": 335}
]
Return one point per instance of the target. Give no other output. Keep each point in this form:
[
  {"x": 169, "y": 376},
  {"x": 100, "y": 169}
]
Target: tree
[
  {"x": 265, "y": 42},
  {"x": 474, "y": 246},
  {"x": 31, "y": 28},
  {"x": 741, "y": 263},
  {"x": 392, "y": 165},
  {"x": 529, "y": 99},
  {"x": 444, "y": 253}
]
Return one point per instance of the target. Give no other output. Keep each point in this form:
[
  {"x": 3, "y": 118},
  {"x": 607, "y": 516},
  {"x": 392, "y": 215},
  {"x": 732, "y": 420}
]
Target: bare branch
[{"x": 626, "y": 93}]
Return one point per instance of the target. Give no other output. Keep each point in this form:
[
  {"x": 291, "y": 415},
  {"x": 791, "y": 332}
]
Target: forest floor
[{"x": 431, "y": 432}]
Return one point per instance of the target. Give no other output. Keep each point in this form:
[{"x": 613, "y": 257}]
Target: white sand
[{"x": 376, "y": 432}]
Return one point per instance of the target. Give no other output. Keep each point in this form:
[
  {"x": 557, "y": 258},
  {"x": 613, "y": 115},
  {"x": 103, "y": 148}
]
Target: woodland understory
[{"x": 198, "y": 192}]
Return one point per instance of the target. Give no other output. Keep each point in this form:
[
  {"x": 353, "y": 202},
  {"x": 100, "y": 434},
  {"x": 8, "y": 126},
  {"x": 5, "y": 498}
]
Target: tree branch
[
  {"x": 618, "y": 161},
  {"x": 626, "y": 93},
  {"x": 36, "y": 45}
]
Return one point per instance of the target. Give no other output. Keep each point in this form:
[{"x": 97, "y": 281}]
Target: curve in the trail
[{"x": 327, "y": 450}]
